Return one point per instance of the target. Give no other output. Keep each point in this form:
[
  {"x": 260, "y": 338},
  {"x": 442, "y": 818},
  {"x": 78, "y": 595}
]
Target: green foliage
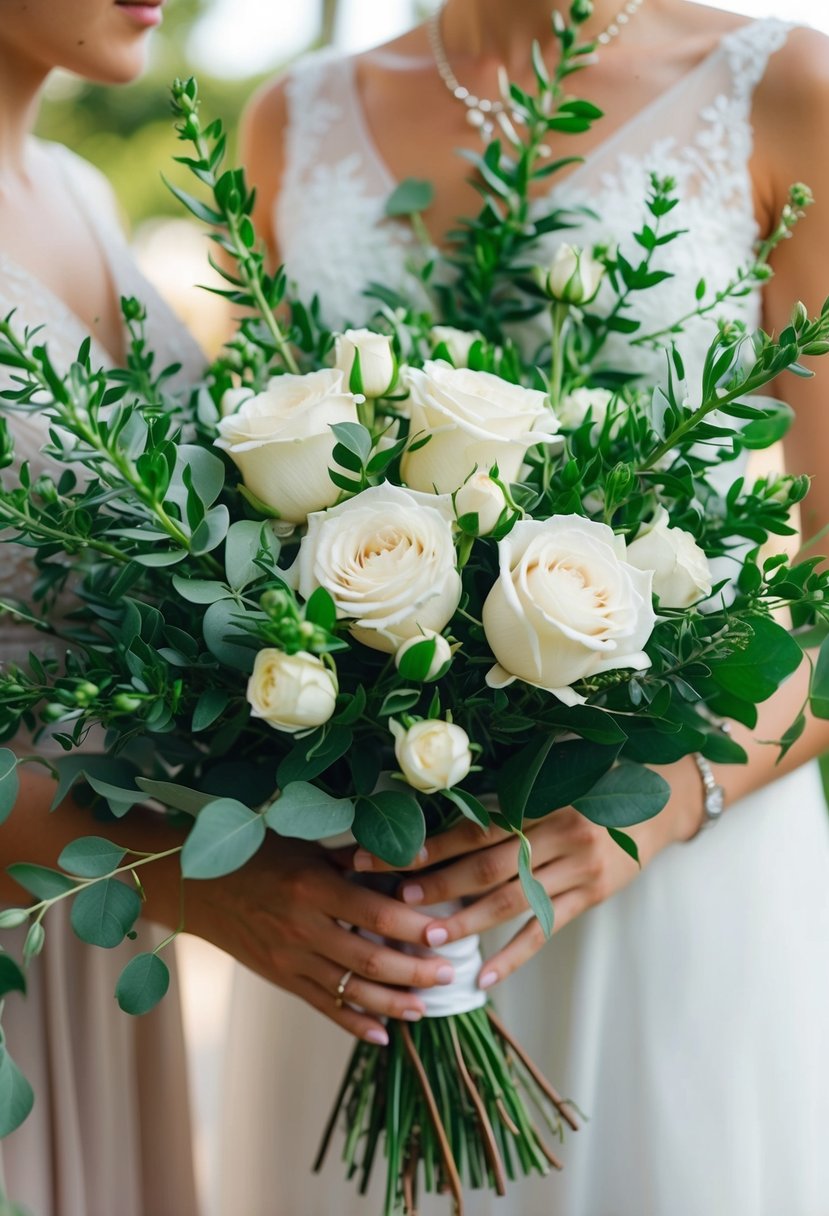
[
  {"x": 390, "y": 825},
  {"x": 16, "y": 1095},
  {"x": 105, "y": 912},
  {"x": 225, "y": 836},
  {"x": 142, "y": 984}
]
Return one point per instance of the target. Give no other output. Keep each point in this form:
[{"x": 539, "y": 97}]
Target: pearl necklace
[{"x": 481, "y": 111}]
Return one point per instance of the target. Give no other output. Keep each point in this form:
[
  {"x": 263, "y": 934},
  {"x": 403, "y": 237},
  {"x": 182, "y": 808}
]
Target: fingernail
[
  {"x": 363, "y": 860},
  {"x": 413, "y": 894},
  {"x": 377, "y": 1036},
  {"x": 423, "y": 855},
  {"x": 445, "y": 974},
  {"x": 488, "y": 979},
  {"x": 412, "y": 1015},
  {"x": 437, "y": 937}
]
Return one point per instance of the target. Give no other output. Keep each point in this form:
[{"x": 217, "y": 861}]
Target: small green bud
[
  {"x": 278, "y": 604},
  {"x": 800, "y": 315},
  {"x": 125, "y": 703},
  {"x": 762, "y": 273},
  {"x": 53, "y": 712},
  {"x": 800, "y": 195},
  {"x": 86, "y": 692},
  {"x": 34, "y": 940},
  {"x": 581, "y": 11}
]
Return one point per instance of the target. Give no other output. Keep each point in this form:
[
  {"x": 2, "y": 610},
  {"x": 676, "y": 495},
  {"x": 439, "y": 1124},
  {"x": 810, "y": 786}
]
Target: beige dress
[{"x": 110, "y": 1131}]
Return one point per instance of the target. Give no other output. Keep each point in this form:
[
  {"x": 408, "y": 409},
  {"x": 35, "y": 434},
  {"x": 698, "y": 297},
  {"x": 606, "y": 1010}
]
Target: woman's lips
[{"x": 146, "y": 13}]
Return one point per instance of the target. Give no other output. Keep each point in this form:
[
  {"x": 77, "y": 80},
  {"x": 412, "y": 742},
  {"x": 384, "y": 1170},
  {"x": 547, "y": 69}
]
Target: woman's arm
[
  {"x": 282, "y": 915},
  {"x": 262, "y": 148}
]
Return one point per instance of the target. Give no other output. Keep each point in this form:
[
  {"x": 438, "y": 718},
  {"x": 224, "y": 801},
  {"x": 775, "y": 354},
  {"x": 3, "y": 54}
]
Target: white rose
[
  {"x": 681, "y": 573},
  {"x": 441, "y": 657},
  {"x": 574, "y": 276},
  {"x": 291, "y": 692},
  {"x": 474, "y": 420},
  {"x": 483, "y": 497},
  {"x": 282, "y": 443},
  {"x": 387, "y": 557},
  {"x": 433, "y": 755},
  {"x": 233, "y": 398},
  {"x": 575, "y": 407},
  {"x": 567, "y": 605},
  {"x": 378, "y": 367},
  {"x": 458, "y": 342}
]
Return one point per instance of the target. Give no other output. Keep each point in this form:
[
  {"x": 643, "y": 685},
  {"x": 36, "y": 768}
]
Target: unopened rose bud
[
  {"x": 458, "y": 342},
  {"x": 681, "y": 573},
  {"x": 291, "y": 692},
  {"x": 440, "y": 660},
  {"x": 433, "y": 755},
  {"x": 377, "y": 364},
  {"x": 574, "y": 276},
  {"x": 481, "y": 496}
]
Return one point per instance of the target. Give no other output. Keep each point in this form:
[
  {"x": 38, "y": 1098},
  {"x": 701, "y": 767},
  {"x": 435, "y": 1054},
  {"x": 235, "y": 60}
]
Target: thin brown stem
[
  {"x": 539, "y": 1078},
  {"x": 490, "y": 1146},
  {"x": 453, "y": 1178}
]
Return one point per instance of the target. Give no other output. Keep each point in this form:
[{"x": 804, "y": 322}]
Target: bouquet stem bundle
[{"x": 457, "y": 1104}]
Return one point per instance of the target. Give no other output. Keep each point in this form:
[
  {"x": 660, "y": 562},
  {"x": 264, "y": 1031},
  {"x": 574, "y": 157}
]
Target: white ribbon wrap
[{"x": 463, "y": 994}]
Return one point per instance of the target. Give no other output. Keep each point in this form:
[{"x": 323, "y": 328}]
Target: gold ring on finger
[{"x": 341, "y": 987}]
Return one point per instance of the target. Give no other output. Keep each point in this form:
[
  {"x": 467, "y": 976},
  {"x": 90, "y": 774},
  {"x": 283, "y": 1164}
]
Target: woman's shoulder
[{"x": 87, "y": 183}]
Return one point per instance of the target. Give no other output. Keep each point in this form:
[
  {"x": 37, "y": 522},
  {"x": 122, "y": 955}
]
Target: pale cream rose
[
  {"x": 441, "y": 657},
  {"x": 474, "y": 420},
  {"x": 291, "y": 692},
  {"x": 458, "y": 342},
  {"x": 566, "y": 605},
  {"x": 433, "y": 755},
  {"x": 233, "y": 398},
  {"x": 574, "y": 277},
  {"x": 681, "y": 573},
  {"x": 378, "y": 367},
  {"x": 282, "y": 443},
  {"x": 387, "y": 558},
  {"x": 483, "y": 497},
  {"x": 575, "y": 407}
]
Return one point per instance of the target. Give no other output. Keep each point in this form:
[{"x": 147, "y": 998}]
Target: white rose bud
[
  {"x": 474, "y": 420},
  {"x": 291, "y": 692},
  {"x": 576, "y": 405},
  {"x": 232, "y": 399},
  {"x": 574, "y": 276},
  {"x": 387, "y": 558},
  {"x": 458, "y": 342},
  {"x": 483, "y": 497},
  {"x": 681, "y": 573},
  {"x": 567, "y": 605},
  {"x": 282, "y": 443},
  {"x": 433, "y": 755},
  {"x": 442, "y": 655},
  {"x": 378, "y": 368}
]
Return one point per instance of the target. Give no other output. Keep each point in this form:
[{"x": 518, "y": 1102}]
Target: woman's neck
[
  {"x": 21, "y": 82},
  {"x": 504, "y": 32}
]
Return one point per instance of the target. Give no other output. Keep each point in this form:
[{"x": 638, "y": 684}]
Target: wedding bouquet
[{"x": 384, "y": 580}]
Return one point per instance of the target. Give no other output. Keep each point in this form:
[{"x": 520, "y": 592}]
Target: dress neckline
[{"x": 594, "y": 154}]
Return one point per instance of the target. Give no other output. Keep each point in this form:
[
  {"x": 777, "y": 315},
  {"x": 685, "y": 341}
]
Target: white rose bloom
[
  {"x": 387, "y": 557},
  {"x": 567, "y": 605},
  {"x": 458, "y": 342},
  {"x": 483, "y": 497},
  {"x": 474, "y": 420},
  {"x": 233, "y": 398},
  {"x": 291, "y": 692},
  {"x": 282, "y": 443},
  {"x": 681, "y": 573},
  {"x": 574, "y": 276},
  {"x": 442, "y": 655},
  {"x": 378, "y": 368},
  {"x": 574, "y": 408},
  {"x": 433, "y": 755}
]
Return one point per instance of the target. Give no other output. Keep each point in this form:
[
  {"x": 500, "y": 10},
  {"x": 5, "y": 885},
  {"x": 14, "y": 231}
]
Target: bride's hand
[
  {"x": 280, "y": 916},
  {"x": 577, "y": 862}
]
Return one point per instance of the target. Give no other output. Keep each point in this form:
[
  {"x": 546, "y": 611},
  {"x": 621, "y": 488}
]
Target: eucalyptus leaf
[
  {"x": 819, "y": 691},
  {"x": 626, "y": 843},
  {"x": 221, "y": 625},
  {"x": 304, "y": 812},
  {"x": 200, "y": 591},
  {"x": 40, "y": 881},
  {"x": 16, "y": 1095},
  {"x": 118, "y": 800},
  {"x": 469, "y": 806},
  {"x": 518, "y": 775},
  {"x": 104, "y": 913},
  {"x": 142, "y": 984},
  {"x": 12, "y": 978},
  {"x": 391, "y": 826},
  {"x": 537, "y": 897},
  {"x": 755, "y": 672},
  {"x": 179, "y": 797},
  {"x": 9, "y": 783},
  {"x": 225, "y": 836},
  {"x": 246, "y": 539},
  {"x": 91, "y": 857},
  {"x": 570, "y": 769},
  {"x": 412, "y": 195},
  {"x": 628, "y": 794}
]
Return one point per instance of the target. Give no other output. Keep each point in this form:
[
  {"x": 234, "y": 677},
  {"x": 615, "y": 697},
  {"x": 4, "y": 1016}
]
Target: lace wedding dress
[
  {"x": 109, "y": 1134},
  {"x": 687, "y": 1015}
]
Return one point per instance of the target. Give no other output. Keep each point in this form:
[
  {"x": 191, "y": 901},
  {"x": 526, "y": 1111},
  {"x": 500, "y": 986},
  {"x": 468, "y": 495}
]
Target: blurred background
[{"x": 231, "y": 45}]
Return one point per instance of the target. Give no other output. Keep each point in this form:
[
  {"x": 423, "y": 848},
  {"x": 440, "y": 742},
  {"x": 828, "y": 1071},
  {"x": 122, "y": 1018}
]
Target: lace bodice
[
  {"x": 334, "y": 238},
  {"x": 63, "y": 333}
]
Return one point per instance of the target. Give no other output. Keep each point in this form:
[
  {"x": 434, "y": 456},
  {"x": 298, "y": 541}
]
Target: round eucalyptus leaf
[
  {"x": 225, "y": 836},
  {"x": 104, "y": 913},
  {"x": 16, "y": 1096},
  {"x": 142, "y": 984},
  {"x": 91, "y": 857}
]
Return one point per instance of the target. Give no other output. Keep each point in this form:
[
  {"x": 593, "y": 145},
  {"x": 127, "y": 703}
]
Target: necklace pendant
[{"x": 476, "y": 118}]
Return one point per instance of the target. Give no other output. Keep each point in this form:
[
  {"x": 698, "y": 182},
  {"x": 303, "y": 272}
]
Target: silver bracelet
[{"x": 713, "y": 803}]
